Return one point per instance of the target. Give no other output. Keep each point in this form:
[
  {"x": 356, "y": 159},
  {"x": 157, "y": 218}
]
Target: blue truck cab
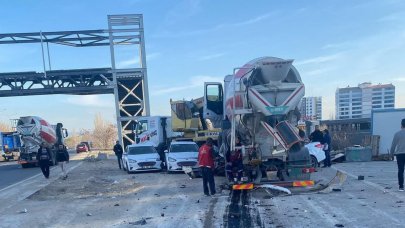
[{"x": 10, "y": 144}]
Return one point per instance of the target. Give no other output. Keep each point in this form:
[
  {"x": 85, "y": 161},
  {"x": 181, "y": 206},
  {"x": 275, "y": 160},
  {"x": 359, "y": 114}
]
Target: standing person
[
  {"x": 326, "y": 148},
  {"x": 118, "y": 152},
  {"x": 43, "y": 157},
  {"x": 316, "y": 136},
  {"x": 62, "y": 156},
  {"x": 206, "y": 163},
  {"x": 398, "y": 149}
]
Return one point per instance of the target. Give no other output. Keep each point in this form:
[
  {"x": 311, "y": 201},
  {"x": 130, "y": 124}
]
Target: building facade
[
  {"x": 311, "y": 108},
  {"x": 357, "y": 102}
]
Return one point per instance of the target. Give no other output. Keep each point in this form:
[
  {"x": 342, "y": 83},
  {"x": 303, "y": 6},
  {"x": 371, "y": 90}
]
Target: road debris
[
  {"x": 23, "y": 211},
  {"x": 89, "y": 214},
  {"x": 116, "y": 205},
  {"x": 339, "y": 225},
  {"x": 360, "y": 177},
  {"x": 139, "y": 222}
]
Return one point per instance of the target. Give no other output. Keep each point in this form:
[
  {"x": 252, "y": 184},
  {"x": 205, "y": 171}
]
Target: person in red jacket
[{"x": 206, "y": 163}]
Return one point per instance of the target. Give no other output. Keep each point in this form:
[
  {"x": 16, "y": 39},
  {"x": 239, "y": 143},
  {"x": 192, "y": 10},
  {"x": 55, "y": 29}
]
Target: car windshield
[
  {"x": 141, "y": 150},
  {"x": 183, "y": 148}
]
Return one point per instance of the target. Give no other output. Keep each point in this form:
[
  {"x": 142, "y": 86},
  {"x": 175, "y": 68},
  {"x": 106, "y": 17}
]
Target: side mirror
[{"x": 166, "y": 151}]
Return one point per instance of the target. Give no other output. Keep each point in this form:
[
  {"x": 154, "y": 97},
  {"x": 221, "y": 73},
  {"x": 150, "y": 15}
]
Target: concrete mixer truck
[
  {"x": 33, "y": 131},
  {"x": 259, "y": 107}
]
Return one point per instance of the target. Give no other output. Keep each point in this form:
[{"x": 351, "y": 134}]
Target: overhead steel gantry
[{"x": 129, "y": 85}]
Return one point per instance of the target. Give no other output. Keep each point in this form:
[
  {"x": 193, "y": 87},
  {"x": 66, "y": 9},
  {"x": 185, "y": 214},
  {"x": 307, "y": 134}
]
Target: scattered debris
[
  {"x": 295, "y": 208},
  {"x": 89, "y": 214},
  {"x": 360, "y": 177},
  {"x": 336, "y": 189},
  {"x": 387, "y": 187},
  {"x": 182, "y": 186},
  {"x": 23, "y": 211},
  {"x": 162, "y": 214},
  {"x": 400, "y": 201},
  {"x": 198, "y": 201},
  {"x": 362, "y": 190},
  {"x": 339, "y": 225},
  {"x": 116, "y": 205},
  {"x": 139, "y": 222}
]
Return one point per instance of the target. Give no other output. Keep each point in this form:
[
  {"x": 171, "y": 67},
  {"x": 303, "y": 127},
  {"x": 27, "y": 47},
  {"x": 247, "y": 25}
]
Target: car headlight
[
  {"x": 131, "y": 161},
  {"x": 171, "y": 159}
]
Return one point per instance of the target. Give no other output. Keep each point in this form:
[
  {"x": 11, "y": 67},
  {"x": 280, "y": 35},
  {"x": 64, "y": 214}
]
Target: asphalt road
[{"x": 11, "y": 172}]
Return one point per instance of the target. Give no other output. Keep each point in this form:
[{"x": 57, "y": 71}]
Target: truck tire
[
  {"x": 25, "y": 166},
  {"x": 314, "y": 162}
]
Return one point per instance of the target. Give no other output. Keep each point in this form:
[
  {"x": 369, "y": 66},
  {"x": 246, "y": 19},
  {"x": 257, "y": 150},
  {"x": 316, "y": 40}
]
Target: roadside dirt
[
  {"x": 92, "y": 179},
  {"x": 98, "y": 194}
]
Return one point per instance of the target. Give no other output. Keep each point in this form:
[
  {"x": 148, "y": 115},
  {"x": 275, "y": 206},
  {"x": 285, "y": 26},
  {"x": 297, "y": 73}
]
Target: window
[
  {"x": 141, "y": 127},
  {"x": 344, "y": 96},
  {"x": 376, "y": 106},
  {"x": 183, "y": 148},
  {"x": 356, "y": 112},
  {"x": 356, "y": 108},
  {"x": 376, "y": 102},
  {"x": 377, "y": 98},
  {"x": 389, "y": 106},
  {"x": 356, "y": 103},
  {"x": 356, "y": 99},
  {"x": 389, "y": 93},
  {"x": 141, "y": 150},
  {"x": 389, "y": 97},
  {"x": 213, "y": 93},
  {"x": 377, "y": 89},
  {"x": 389, "y": 101},
  {"x": 356, "y": 116}
]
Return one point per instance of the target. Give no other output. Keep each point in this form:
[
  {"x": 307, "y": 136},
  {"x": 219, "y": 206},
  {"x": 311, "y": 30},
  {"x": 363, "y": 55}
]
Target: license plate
[
  {"x": 147, "y": 167},
  {"x": 187, "y": 169}
]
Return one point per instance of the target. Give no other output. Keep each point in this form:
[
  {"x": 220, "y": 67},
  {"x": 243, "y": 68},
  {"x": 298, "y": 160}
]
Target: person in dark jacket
[
  {"x": 62, "y": 157},
  {"x": 398, "y": 149},
  {"x": 234, "y": 160},
  {"x": 326, "y": 148},
  {"x": 118, "y": 152},
  {"x": 317, "y": 135},
  {"x": 43, "y": 158},
  {"x": 206, "y": 163}
]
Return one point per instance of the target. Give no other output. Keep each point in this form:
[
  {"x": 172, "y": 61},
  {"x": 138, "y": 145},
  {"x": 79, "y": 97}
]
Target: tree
[
  {"x": 104, "y": 134},
  {"x": 5, "y": 127}
]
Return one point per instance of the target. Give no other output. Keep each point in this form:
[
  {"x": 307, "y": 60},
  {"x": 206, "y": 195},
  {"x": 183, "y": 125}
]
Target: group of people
[
  {"x": 44, "y": 157},
  {"x": 323, "y": 137}
]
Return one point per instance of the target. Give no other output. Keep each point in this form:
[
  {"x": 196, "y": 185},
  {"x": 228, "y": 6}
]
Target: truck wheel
[
  {"x": 25, "y": 166},
  {"x": 314, "y": 162}
]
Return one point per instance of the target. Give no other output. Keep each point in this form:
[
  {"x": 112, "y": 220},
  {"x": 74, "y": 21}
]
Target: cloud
[
  {"x": 91, "y": 101},
  {"x": 194, "y": 82},
  {"x": 135, "y": 60},
  {"x": 166, "y": 34},
  {"x": 319, "y": 59},
  {"x": 213, "y": 56}
]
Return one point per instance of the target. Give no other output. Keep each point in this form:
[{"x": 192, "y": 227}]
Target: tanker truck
[
  {"x": 33, "y": 131},
  {"x": 259, "y": 106}
]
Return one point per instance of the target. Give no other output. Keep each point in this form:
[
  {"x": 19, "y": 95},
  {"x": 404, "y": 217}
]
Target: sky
[{"x": 188, "y": 42}]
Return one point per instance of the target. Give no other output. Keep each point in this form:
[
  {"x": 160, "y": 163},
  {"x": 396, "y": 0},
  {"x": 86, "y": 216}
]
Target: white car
[
  {"x": 182, "y": 155},
  {"x": 141, "y": 157},
  {"x": 316, "y": 152}
]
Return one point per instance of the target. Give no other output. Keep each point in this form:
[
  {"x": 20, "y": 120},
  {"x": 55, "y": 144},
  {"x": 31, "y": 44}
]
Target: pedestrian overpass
[{"x": 129, "y": 85}]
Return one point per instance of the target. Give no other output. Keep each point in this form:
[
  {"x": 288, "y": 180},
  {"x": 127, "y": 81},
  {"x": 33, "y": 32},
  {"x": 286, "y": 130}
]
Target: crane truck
[{"x": 34, "y": 131}]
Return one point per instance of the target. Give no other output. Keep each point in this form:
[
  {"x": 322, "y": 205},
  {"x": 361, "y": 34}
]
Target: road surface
[{"x": 12, "y": 173}]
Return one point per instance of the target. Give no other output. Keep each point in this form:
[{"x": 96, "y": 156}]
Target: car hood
[
  {"x": 183, "y": 155},
  {"x": 144, "y": 157}
]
